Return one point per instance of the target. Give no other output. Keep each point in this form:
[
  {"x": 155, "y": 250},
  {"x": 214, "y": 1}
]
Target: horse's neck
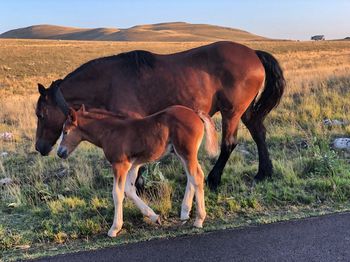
[{"x": 79, "y": 92}]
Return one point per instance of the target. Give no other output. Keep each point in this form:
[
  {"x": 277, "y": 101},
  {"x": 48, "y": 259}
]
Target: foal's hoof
[
  {"x": 198, "y": 223},
  {"x": 113, "y": 232},
  {"x": 156, "y": 219},
  {"x": 184, "y": 216}
]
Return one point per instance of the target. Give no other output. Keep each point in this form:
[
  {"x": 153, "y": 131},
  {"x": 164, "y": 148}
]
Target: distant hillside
[{"x": 164, "y": 32}]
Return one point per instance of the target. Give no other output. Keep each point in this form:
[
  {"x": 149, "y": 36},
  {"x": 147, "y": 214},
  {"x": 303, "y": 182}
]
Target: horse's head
[
  {"x": 71, "y": 134},
  {"x": 51, "y": 111}
]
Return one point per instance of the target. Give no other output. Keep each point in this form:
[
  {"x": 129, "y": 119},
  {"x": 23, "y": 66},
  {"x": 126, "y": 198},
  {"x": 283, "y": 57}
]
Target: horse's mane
[
  {"x": 133, "y": 60},
  {"x": 137, "y": 59}
]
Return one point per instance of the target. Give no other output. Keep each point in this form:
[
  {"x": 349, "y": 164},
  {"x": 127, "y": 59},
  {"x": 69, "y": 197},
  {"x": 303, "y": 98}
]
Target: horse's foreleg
[
  {"x": 228, "y": 143},
  {"x": 140, "y": 182},
  {"x": 120, "y": 172},
  {"x": 258, "y": 131},
  {"x": 130, "y": 192}
]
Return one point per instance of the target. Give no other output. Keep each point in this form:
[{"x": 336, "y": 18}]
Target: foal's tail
[
  {"x": 211, "y": 139},
  {"x": 274, "y": 85}
]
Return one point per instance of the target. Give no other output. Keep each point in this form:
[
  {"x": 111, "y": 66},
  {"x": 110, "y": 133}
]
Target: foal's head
[{"x": 71, "y": 134}]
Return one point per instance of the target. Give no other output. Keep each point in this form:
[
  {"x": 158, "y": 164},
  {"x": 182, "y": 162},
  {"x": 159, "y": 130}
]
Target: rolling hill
[{"x": 163, "y": 32}]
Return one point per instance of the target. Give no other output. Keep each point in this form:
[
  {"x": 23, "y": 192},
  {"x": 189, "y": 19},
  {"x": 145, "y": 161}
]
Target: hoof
[
  {"x": 198, "y": 223},
  {"x": 156, "y": 219},
  {"x": 184, "y": 222},
  {"x": 213, "y": 183},
  {"x": 113, "y": 232},
  {"x": 260, "y": 176},
  {"x": 184, "y": 217}
]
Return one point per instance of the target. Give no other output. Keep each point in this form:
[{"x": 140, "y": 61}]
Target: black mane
[
  {"x": 133, "y": 60},
  {"x": 138, "y": 59}
]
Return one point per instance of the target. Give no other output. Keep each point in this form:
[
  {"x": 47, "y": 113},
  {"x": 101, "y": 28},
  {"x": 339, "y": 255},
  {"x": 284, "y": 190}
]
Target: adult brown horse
[{"x": 222, "y": 76}]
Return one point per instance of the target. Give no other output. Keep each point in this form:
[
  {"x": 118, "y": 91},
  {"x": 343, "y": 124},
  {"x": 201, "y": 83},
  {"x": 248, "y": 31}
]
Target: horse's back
[{"x": 181, "y": 118}]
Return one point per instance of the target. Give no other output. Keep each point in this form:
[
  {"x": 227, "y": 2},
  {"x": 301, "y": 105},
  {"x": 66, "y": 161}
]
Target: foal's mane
[{"x": 97, "y": 113}]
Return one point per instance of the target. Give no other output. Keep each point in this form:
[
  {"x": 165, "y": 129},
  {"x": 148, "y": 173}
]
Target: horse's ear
[
  {"x": 72, "y": 115},
  {"x": 41, "y": 89}
]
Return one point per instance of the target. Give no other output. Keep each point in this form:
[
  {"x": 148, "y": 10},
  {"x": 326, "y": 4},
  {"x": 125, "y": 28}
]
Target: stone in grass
[
  {"x": 4, "y": 154},
  {"x": 334, "y": 122},
  {"x": 6, "y": 136},
  {"x": 342, "y": 143},
  {"x": 6, "y": 181}
]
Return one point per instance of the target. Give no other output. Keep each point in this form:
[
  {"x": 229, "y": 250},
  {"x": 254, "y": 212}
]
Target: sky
[{"x": 283, "y": 19}]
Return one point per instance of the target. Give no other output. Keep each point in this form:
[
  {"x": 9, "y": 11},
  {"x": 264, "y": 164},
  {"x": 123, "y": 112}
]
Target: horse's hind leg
[
  {"x": 258, "y": 131},
  {"x": 230, "y": 123},
  {"x": 130, "y": 192}
]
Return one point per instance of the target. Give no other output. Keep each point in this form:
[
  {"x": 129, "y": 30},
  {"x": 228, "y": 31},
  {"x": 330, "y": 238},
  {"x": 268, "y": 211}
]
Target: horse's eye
[{"x": 65, "y": 132}]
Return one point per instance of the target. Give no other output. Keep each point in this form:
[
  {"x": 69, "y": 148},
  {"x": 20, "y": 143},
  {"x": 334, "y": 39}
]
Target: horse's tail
[
  {"x": 274, "y": 85},
  {"x": 211, "y": 139}
]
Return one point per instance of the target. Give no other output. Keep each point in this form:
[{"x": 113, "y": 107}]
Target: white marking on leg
[
  {"x": 187, "y": 201},
  {"x": 118, "y": 197},
  {"x": 130, "y": 192},
  {"x": 199, "y": 192}
]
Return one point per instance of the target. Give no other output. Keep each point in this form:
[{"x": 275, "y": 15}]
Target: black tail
[{"x": 274, "y": 85}]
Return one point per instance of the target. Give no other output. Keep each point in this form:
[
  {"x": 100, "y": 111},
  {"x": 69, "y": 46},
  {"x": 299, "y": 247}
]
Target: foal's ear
[
  {"x": 72, "y": 116},
  {"x": 82, "y": 108},
  {"x": 41, "y": 89}
]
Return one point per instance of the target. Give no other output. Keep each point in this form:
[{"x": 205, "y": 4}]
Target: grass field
[{"x": 55, "y": 206}]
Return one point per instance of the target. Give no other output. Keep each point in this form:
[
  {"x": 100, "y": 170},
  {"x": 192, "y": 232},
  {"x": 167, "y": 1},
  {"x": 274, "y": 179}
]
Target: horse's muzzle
[{"x": 43, "y": 147}]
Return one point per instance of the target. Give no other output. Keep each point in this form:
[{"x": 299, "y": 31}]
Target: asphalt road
[{"x": 325, "y": 238}]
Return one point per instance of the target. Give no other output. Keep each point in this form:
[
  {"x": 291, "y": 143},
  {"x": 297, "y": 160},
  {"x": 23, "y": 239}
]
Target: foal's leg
[
  {"x": 200, "y": 203},
  {"x": 230, "y": 123},
  {"x": 130, "y": 192},
  {"x": 188, "y": 199},
  {"x": 120, "y": 172},
  {"x": 195, "y": 178}
]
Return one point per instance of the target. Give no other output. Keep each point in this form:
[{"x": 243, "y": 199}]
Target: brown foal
[{"x": 130, "y": 143}]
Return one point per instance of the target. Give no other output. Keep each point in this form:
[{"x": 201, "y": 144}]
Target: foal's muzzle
[{"x": 62, "y": 152}]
